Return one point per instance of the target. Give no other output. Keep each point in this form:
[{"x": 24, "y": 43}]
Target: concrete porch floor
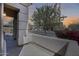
[
  {"x": 39, "y": 45},
  {"x": 35, "y": 50}
]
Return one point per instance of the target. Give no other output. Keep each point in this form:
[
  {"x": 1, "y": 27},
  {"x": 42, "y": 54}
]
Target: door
[
  {"x": 11, "y": 24},
  {"x": 11, "y": 12}
]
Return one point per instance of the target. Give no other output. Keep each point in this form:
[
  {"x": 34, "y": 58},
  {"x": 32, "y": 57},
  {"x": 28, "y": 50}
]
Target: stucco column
[
  {"x": 0, "y": 29},
  {"x": 2, "y": 42}
]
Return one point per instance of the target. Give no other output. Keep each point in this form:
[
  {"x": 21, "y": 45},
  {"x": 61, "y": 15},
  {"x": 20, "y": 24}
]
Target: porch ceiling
[{"x": 26, "y": 4}]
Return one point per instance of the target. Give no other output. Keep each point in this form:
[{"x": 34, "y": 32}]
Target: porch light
[{"x": 4, "y": 14}]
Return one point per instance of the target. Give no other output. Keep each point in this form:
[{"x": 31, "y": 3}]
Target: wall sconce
[{"x": 4, "y": 14}]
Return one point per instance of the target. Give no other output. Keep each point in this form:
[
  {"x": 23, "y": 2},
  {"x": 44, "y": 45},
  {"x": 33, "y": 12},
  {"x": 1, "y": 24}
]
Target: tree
[
  {"x": 57, "y": 15},
  {"x": 46, "y": 17}
]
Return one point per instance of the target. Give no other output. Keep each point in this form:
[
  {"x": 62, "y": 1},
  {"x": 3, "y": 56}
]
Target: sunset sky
[
  {"x": 69, "y": 10},
  {"x": 7, "y": 19},
  {"x": 71, "y": 20}
]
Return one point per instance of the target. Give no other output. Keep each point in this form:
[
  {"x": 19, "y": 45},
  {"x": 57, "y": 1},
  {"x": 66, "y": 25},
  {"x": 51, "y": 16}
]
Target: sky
[
  {"x": 7, "y": 19},
  {"x": 71, "y": 9}
]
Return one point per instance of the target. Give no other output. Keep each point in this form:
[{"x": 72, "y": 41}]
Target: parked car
[
  {"x": 73, "y": 35},
  {"x": 73, "y": 32}
]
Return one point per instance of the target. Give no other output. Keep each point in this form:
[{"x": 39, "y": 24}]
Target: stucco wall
[
  {"x": 0, "y": 28},
  {"x": 23, "y": 18}
]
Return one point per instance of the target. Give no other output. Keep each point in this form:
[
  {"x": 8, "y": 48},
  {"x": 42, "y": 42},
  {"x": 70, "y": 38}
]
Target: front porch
[{"x": 39, "y": 45}]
